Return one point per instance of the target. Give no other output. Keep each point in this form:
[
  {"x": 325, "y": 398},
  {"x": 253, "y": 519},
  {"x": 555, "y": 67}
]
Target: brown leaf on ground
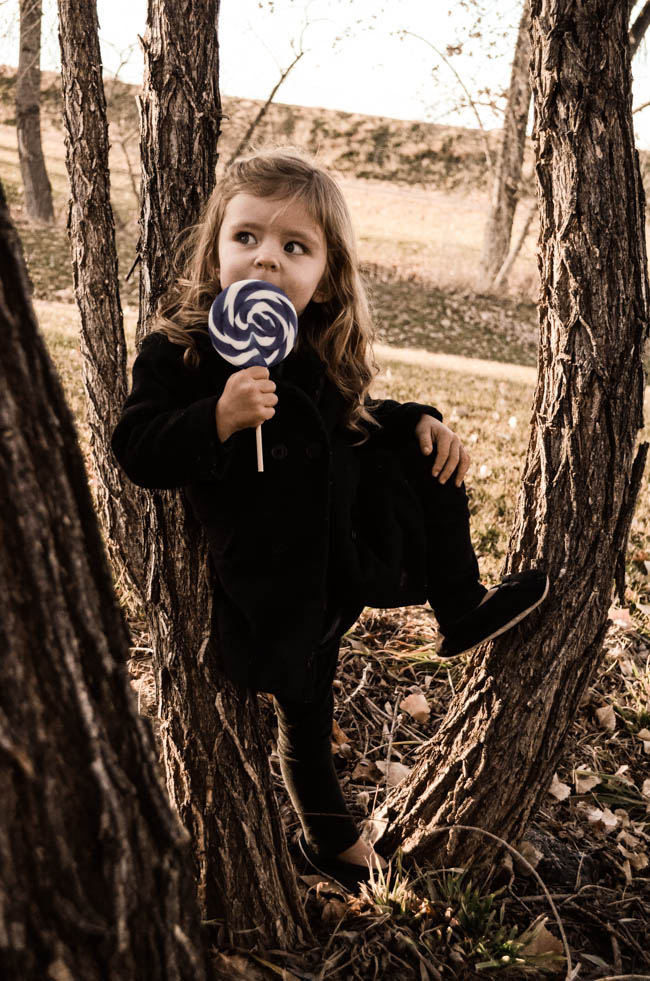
[
  {"x": 366, "y": 772},
  {"x": 601, "y": 820},
  {"x": 394, "y": 772},
  {"x": 542, "y": 942},
  {"x": 585, "y": 781},
  {"x": 621, "y": 618},
  {"x": 532, "y": 855},
  {"x": 558, "y": 789},
  {"x": 334, "y": 910},
  {"x": 606, "y": 717},
  {"x": 417, "y": 706},
  {"x": 338, "y": 736}
]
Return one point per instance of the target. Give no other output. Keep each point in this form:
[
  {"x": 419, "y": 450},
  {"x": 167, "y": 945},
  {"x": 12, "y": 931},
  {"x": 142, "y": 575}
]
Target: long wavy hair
[{"x": 340, "y": 329}]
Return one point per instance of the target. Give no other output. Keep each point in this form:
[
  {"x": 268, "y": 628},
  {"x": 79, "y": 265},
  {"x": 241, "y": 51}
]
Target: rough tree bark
[
  {"x": 38, "y": 193},
  {"x": 510, "y": 158},
  {"x": 94, "y": 262},
  {"x": 495, "y": 753},
  {"x": 94, "y": 865},
  {"x": 214, "y": 744}
]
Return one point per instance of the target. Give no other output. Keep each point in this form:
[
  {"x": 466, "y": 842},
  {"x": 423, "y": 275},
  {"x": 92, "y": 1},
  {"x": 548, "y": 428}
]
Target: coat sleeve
[
  {"x": 165, "y": 439},
  {"x": 399, "y": 419}
]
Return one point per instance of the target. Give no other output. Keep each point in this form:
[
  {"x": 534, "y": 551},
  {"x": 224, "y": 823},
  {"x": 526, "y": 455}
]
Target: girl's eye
[
  {"x": 294, "y": 248},
  {"x": 246, "y": 238}
]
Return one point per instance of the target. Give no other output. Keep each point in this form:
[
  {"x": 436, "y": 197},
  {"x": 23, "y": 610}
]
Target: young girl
[{"x": 361, "y": 502}]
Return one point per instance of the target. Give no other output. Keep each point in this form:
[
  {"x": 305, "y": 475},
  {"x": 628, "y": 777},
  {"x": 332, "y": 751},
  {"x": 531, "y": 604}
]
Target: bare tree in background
[
  {"x": 510, "y": 158},
  {"x": 38, "y": 192},
  {"x": 639, "y": 27},
  {"x": 492, "y": 760},
  {"x": 214, "y": 743},
  {"x": 94, "y": 864},
  {"x": 498, "y": 257}
]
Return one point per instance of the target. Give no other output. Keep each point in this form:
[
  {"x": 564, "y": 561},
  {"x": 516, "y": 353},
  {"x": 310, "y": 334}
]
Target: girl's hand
[
  {"x": 451, "y": 455},
  {"x": 247, "y": 400}
]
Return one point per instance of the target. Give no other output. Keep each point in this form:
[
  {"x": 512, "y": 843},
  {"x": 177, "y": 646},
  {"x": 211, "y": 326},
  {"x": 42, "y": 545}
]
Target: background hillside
[{"x": 418, "y": 193}]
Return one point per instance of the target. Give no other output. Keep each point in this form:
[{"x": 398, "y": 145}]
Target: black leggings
[
  {"x": 305, "y": 750},
  {"x": 305, "y": 728}
]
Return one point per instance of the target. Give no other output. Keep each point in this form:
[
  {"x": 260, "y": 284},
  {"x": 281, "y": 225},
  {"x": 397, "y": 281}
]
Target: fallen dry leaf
[
  {"x": 620, "y": 617},
  {"x": 393, "y": 771},
  {"x": 585, "y": 781},
  {"x": 645, "y": 789},
  {"x": 417, "y": 706},
  {"x": 363, "y": 800},
  {"x": 638, "y": 860},
  {"x": 606, "y": 717},
  {"x": 630, "y": 840},
  {"x": 542, "y": 941},
  {"x": 640, "y": 555},
  {"x": 621, "y": 774},
  {"x": 338, "y": 736},
  {"x": 532, "y": 855},
  {"x": 334, "y": 910},
  {"x": 604, "y": 820},
  {"x": 366, "y": 772},
  {"x": 558, "y": 789},
  {"x": 239, "y": 968},
  {"x": 644, "y": 736}
]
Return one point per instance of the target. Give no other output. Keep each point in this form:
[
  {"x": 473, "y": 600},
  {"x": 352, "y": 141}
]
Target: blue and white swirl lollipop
[{"x": 252, "y": 322}]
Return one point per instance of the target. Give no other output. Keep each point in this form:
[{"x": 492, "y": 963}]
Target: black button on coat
[{"x": 295, "y": 540}]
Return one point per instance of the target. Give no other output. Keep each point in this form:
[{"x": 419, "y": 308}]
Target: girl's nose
[{"x": 266, "y": 259}]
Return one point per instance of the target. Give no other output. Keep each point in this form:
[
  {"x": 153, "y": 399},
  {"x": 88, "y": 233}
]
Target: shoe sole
[{"x": 507, "y": 626}]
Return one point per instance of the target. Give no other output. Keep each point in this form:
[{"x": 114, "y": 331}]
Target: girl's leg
[
  {"x": 305, "y": 750},
  {"x": 452, "y": 569}
]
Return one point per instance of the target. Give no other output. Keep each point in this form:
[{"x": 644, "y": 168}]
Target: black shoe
[
  {"x": 346, "y": 874},
  {"x": 502, "y": 608}
]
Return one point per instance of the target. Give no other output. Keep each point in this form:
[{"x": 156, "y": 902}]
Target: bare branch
[
  {"x": 639, "y": 27},
  {"x": 470, "y": 99},
  {"x": 263, "y": 111}
]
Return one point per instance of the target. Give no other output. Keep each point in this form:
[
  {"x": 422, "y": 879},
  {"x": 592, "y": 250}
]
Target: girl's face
[{"x": 275, "y": 240}]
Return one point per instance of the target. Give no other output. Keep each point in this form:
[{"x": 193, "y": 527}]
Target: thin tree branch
[
  {"x": 486, "y": 145},
  {"x": 263, "y": 111},
  {"x": 639, "y": 27}
]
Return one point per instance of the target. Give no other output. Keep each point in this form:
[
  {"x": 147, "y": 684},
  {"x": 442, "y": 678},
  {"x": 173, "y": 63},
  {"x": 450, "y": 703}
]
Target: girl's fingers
[
  {"x": 463, "y": 466},
  {"x": 451, "y": 462},
  {"x": 443, "y": 447},
  {"x": 426, "y": 442}
]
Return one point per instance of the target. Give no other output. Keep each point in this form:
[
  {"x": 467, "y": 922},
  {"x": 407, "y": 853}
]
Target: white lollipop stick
[{"x": 260, "y": 456}]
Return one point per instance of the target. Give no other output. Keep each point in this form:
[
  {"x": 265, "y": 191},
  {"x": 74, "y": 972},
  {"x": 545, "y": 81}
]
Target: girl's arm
[
  {"x": 399, "y": 419},
  {"x": 167, "y": 435}
]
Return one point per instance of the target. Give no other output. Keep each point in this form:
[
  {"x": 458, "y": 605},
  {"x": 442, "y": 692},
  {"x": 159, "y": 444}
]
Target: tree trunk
[
  {"x": 639, "y": 27},
  {"x": 507, "y": 177},
  {"x": 38, "y": 193},
  {"x": 94, "y": 879},
  {"x": 94, "y": 262},
  {"x": 493, "y": 758},
  {"x": 214, "y": 744}
]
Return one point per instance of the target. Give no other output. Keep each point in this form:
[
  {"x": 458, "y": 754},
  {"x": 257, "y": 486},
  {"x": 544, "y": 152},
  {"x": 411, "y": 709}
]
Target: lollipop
[{"x": 253, "y": 323}]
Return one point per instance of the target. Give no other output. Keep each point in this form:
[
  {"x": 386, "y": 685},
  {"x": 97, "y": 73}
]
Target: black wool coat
[{"x": 325, "y": 530}]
